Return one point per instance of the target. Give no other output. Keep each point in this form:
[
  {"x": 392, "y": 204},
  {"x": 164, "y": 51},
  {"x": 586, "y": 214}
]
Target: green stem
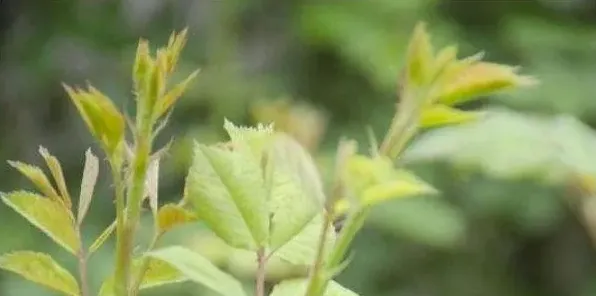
[
  {"x": 120, "y": 212},
  {"x": 82, "y": 260},
  {"x": 143, "y": 267}
]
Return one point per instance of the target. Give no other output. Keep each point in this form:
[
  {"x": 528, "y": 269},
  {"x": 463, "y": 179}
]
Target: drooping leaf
[
  {"x": 90, "y": 172},
  {"x": 56, "y": 170},
  {"x": 297, "y": 287},
  {"x": 39, "y": 179},
  {"x": 41, "y": 269},
  {"x": 439, "y": 115},
  {"x": 227, "y": 190},
  {"x": 302, "y": 248},
  {"x": 200, "y": 270},
  {"x": 105, "y": 234},
  {"x": 49, "y": 216},
  {"x": 375, "y": 180},
  {"x": 172, "y": 215}
]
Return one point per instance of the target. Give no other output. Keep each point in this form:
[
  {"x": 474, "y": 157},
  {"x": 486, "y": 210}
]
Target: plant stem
[
  {"x": 82, "y": 260},
  {"x": 260, "y": 278},
  {"x": 120, "y": 212},
  {"x": 136, "y": 284}
]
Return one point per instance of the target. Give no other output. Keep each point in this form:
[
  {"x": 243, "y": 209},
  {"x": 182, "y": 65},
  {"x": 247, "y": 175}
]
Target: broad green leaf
[
  {"x": 479, "y": 79},
  {"x": 439, "y": 115},
  {"x": 302, "y": 248},
  {"x": 102, "y": 238},
  {"x": 49, "y": 216},
  {"x": 90, "y": 172},
  {"x": 41, "y": 269},
  {"x": 170, "y": 98},
  {"x": 297, "y": 287},
  {"x": 374, "y": 180},
  {"x": 56, "y": 170},
  {"x": 200, "y": 270},
  {"x": 420, "y": 56},
  {"x": 253, "y": 138},
  {"x": 172, "y": 215},
  {"x": 39, "y": 179},
  {"x": 294, "y": 187},
  {"x": 227, "y": 190}
]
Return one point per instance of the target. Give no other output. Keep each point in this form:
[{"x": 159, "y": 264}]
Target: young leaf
[
  {"x": 200, "y": 270},
  {"x": 172, "y": 215},
  {"x": 302, "y": 248},
  {"x": 56, "y": 170},
  {"x": 226, "y": 189},
  {"x": 41, "y": 269},
  {"x": 420, "y": 57},
  {"x": 49, "y": 216},
  {"x": 39, "y": 179},
  {"x": 175, "y": 45},
  {"x": 480, "y": 79},
  {"x": 90, "y": 173},
  {"x": 439, "y": 115},
  {"x": 297, "y": 287},
  {"x": 142, "y": 66},
  {"x": 169, "y": 99},
  {"x": 374, "y": 180},
  {"x": 102, "y": 238},
  {"x": 101, "y": 116}
]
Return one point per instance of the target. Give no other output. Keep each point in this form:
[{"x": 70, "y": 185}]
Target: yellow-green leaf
[
  {"x": 90, "y": 172},
  {"x": 200, "y": 270},
  {"x": 297, "y": 287},
  {"x": 56, "y": 170},
  {"x": 39, "y": 179},
  {"x": 49, "y": 216},
  {"x": 102, "y": 238},
  {"x": 420, "y": 56},
  {"x": 143, "y": 64},
  {"x": 41, "y": 269},
  {"x": 175, "y": 45},
  {"x": 253, "y": 138},
  {"x": 172, "y": 215},
  {"x": 439, "y": 115},
  {"x": 170, "y": 98},
  {"x": 481, "y": 78},
  {"x": 444, "y": 59}
]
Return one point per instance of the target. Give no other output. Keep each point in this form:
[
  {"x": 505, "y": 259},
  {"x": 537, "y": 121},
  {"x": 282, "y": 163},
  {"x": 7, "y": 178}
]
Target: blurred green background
[{"x": 493, "y": 231}]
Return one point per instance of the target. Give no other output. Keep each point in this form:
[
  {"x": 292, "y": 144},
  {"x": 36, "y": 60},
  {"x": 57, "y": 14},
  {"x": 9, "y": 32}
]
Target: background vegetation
[{"x": 495, "y": 230}]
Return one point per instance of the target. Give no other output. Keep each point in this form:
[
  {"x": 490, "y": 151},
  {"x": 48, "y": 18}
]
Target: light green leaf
[
  {"x": 170, "y": 98},
  {"x": 375, "y": 180},
  {"x": 142, "y": 65},
  {"x": 302, "y": 248},
  {"x": 37, "y": 176},
  {"x": 88, "y": 181},
  {"x": 420, "y": 56},
  {"x": 439, "y": 115},
  {"x": 297, "y": 287},
  {"x": 227, "y": 190},
  {"x": 41, "y": 269},
  {"x": 102, "y": 238},
  {"x": 200, "y": 270},
  {"x": 253, "y": 138},
  {"x": 295, "y": 189},
  {"x": 56, "y": 170},
  {"x": 49, "y": 216}
]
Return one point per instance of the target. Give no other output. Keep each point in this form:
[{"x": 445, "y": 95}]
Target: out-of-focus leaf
[
  {"x": 375, "y": 180},
  {"x": 88, "y": 181},
  {"x": 198, "y": 269},
  {"x": 253, "y": 138},
  {"x": 439, "y": 115},
  {"x": 102, "y": 237},
  {"x": 429, "y": 221},
  {"x": 172, "y": 215},
  {"x": 176, "y": 43},
  {"x": 49, "y": 216},
  {"x": 41, "y": 269},
  {"x": 297, "y": 287},
  {"x": 420, "y": 57},
  {"x": 37, "y": 177}
]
